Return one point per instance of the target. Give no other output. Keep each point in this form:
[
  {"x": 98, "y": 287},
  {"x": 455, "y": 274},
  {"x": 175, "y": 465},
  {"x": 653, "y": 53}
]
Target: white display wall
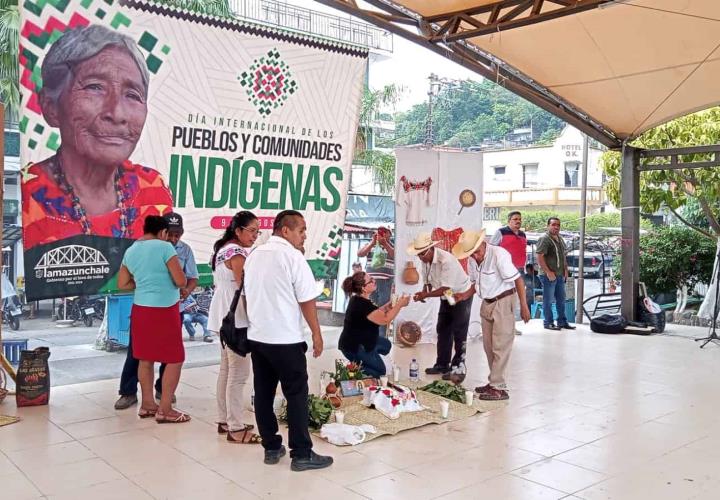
[{"x": 436, "y": 208}]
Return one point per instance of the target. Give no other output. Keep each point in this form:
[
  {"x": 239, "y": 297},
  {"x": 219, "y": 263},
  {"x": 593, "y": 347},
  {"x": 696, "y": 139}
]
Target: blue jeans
[
  {"x": 553, "y": 290},
  {"x": 189, "y": 318},
  {"x": 372, "y": 362},
  {"x": 381, "y": 296}
]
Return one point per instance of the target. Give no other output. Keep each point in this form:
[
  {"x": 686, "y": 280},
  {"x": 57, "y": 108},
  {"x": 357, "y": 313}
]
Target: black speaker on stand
[{"x": 713, "y": 337}]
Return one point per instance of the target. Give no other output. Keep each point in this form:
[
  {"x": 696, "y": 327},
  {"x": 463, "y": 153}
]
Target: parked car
[{"x": 593, "y": 267}]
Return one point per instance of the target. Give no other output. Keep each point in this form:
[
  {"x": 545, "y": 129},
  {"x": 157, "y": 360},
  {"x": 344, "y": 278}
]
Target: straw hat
[
  {"x": 422, "y": 242},
  {"x": 468, "y": 243}
]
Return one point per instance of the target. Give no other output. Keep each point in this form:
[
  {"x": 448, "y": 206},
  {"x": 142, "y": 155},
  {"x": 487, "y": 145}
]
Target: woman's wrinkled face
[
  {"x": 102, "y": 113},
  {"x": 369, "y": 285}
]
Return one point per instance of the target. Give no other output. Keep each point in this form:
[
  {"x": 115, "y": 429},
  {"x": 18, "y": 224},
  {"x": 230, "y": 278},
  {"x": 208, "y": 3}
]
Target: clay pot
[
  {"x": 410, "y": 275},
  {"x": 331, "y": 388}
]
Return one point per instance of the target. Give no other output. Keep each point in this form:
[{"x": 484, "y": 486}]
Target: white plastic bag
[{"x": 344, "y": 434}]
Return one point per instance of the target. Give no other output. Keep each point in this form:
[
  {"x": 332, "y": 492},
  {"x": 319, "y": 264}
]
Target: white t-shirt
[
  {"x": 277, "y": 278},
  {"x": 495, "y": 274},
  {"x": 445, "y": 271}
]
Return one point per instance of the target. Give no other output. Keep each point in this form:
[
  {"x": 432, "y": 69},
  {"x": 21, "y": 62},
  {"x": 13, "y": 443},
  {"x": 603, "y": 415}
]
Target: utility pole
[{"x": 580, "y": 295}]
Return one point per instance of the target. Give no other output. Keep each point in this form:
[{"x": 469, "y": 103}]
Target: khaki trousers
[{"x": 498, "y": 323}]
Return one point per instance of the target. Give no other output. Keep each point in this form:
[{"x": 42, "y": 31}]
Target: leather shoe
[
  {"x": 566, "y": 327},
  {"x": 437, "y": 370},
  {"x": 125, "y": 402},
  {"x": 552, "y": 327},
  {"x": 314, "y": 461},
  {"x": 273, "y": 456}
]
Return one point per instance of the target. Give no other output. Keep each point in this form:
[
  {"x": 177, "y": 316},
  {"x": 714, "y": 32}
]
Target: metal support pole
[
  {"x": 630, "y": 222},
  {"x": 580, "y": 295}
]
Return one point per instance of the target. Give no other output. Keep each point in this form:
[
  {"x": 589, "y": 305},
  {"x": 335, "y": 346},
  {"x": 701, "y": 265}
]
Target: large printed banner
[{"x": 132, "y": 109}]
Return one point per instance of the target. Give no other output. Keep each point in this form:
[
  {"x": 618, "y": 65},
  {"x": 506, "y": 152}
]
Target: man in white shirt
[
  {"x": 443, "y": 276},
  {"x": 279, "y": 290},
  {"x": 497, "y": 282}
]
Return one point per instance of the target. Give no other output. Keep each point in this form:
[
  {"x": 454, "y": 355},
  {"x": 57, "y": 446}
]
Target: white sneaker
[{"x": 517, "y": 332}]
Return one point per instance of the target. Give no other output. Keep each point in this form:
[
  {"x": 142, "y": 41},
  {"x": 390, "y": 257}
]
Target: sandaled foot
[
  {"x": 147, "y": 412},
  {"x": 174, "y": 417},
  {"x": 244, "y": 436}
]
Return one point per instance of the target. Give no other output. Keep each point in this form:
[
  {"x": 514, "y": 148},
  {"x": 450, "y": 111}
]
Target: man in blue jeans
[
  {"x": 129, "y": 379},
  {"x": 552, "y": 257}
]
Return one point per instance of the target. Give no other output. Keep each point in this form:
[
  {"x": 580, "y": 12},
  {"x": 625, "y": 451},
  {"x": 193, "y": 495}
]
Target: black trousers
[
  {"x": 452, "y": 328},
  {"x": 129, "y": 377},
  {"x": 284, "y": 363}
]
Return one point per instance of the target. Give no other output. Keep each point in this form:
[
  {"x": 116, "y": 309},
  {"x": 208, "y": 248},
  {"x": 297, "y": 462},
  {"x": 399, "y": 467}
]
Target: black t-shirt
[{"x": 358, "y": 329}]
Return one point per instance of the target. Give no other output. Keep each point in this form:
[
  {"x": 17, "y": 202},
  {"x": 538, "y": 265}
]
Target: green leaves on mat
[{"x": 446, "y": 390}]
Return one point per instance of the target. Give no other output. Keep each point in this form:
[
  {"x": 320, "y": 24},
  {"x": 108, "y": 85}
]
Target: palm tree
[
  {"x": 381, "y": 164},
  {"x": 9, "y": 43}
]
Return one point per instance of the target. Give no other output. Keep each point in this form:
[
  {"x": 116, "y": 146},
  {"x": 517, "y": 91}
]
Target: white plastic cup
[
  {"x": 339, "y": 417},
  {"x": 384, "y": 381},
  {"x": 396, "y": 374},
  {"x": 469, "y": 395},
  {"x": 444, "y": 408}
]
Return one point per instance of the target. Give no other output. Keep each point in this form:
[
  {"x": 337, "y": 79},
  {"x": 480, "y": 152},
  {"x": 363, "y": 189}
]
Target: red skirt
[{"x": 156, "y": 334}]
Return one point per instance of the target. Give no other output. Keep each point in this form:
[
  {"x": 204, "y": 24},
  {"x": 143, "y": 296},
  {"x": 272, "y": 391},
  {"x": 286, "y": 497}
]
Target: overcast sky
[{"x": 409, "y": 65}]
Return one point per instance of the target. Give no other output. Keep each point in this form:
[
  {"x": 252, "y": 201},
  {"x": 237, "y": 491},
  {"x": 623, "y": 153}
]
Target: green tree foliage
[
  {"x": 674, "y": 256},
  {"x": 9, "y": 44},
  {"x": 536, "y": 221},
  {"x": 674, "y": 188},
  {"x": 470, "y": 112},
  {"x": 374, "y": 103}
]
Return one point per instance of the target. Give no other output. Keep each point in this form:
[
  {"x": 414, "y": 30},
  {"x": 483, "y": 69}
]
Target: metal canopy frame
[
  {"x": 635, "y": 161},
  {"x": 445, "y": 35}
]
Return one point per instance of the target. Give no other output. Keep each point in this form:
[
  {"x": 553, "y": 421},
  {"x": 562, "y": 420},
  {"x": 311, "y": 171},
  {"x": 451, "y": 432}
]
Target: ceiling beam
[
  {"x": 524, "y": 14},
  {"x": 474, "y": 60}
]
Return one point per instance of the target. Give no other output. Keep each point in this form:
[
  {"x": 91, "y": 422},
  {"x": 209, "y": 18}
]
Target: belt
[{"x": 506, "y": 293}]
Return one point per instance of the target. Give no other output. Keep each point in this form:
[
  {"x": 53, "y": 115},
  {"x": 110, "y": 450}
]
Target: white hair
[{"x": 78, "y": 45}]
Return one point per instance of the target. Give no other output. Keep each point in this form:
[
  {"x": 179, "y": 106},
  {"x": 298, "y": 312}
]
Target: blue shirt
[
  {"x": 187, "y": 260},
  {"x": 147, "y": 262}
]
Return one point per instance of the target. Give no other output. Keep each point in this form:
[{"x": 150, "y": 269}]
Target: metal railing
[{"x": 344, "y": 29}]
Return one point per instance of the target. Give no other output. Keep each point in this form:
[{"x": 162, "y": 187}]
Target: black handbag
[{"x": 231, "y": 337}]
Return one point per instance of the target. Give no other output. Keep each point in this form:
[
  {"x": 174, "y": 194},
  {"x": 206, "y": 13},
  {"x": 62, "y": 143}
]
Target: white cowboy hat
[
  {"x": 422, "y": 242},
  {"x": 468, "y": 243}
]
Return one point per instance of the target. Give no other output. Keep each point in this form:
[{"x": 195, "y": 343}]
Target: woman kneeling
[{"x": 360, "y": 339}]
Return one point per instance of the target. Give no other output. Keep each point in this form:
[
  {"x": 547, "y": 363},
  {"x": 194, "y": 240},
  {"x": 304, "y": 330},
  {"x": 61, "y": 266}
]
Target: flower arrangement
[{"x": 347, "y": 371}]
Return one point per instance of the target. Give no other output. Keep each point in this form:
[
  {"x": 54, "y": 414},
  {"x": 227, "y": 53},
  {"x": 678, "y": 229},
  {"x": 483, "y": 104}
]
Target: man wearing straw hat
[
  {"x": 443, "y": 276},
  {"x": 497, "y": 281}
]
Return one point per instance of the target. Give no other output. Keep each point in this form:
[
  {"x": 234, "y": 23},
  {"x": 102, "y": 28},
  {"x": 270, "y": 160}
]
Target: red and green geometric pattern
[{"x": 268, "y": 82}]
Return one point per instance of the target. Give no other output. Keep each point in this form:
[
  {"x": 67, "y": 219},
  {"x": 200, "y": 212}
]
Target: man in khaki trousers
[{"x": 497, "y": 282}]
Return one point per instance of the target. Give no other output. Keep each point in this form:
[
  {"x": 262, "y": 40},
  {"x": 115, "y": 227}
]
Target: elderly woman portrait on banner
[{"x": 95, "y": 91}]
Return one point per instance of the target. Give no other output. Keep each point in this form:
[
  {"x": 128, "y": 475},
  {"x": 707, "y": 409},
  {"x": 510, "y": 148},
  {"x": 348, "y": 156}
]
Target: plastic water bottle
[{"x": 414, "y": 370}]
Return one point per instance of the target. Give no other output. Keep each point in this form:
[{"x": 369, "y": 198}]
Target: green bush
[
  {"x": 673, "y": 256},
  {"x": 536, "y": 220}
]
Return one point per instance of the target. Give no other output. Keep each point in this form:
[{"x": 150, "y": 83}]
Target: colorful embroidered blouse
[{"x": 48, "y": 214}]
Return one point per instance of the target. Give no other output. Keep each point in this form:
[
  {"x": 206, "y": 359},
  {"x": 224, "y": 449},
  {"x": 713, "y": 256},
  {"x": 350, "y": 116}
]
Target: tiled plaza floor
[{"x": 590, "y": 416}]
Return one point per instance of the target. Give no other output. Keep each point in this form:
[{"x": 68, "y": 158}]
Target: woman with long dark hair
[
  {"x": 229, "y": 254},
  {"x": 151, "y": 269},
  {"x": 360, "y": 339}
]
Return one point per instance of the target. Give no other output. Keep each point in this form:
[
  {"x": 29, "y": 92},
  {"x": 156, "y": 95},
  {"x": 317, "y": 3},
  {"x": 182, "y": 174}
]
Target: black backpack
[
  {"x": 234, "y": 338},
  {"x": 608, "y": 323}
]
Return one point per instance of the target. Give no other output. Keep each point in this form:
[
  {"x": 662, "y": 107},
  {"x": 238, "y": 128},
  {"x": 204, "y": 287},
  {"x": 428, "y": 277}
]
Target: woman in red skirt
[{"x": 152, "y": 269}]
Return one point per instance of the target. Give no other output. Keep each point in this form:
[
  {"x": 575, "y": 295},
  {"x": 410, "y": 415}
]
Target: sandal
[
  {"x": 180, "y": 418},
  {"x": 253, "y": 438},
  {"x": 223, "y": 428},
  {"x": 145, "y": 413}
]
